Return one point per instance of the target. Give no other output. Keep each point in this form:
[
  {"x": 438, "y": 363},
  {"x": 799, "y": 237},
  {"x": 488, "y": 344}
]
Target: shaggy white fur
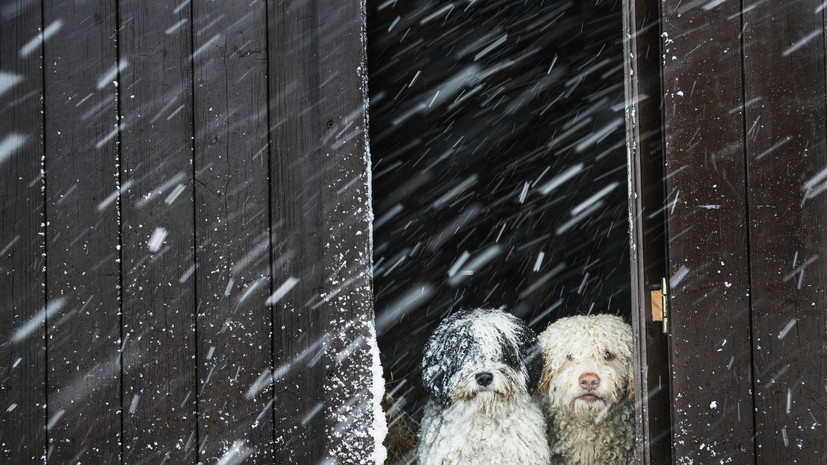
[
  {"x": 463, "y": 434},
  {"x": 480, "y": 369},
  {"x": 588, "y": 386}
]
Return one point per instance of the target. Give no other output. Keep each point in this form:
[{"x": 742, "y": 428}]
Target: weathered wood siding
[
  {"x": 22, "y": 253},
  {"x": 707, "y": 225},
  {"x": 156, "y": 148},
  {"x": 185, "y": 238},
  {"x": 784, "y": 95},
  {"x": 744, "y": 131}
]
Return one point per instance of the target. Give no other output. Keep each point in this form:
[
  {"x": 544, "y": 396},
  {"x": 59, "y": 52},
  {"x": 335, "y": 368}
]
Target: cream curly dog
[{"x": 588, "y": 387}]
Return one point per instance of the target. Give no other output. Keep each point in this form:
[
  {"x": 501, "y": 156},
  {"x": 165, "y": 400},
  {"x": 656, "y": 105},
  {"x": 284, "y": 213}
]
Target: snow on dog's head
[
  {"x": 482, "y": 357},
  {"x": 588, "y": 364}
]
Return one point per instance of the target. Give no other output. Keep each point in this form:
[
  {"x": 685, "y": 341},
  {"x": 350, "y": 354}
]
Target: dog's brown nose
[{"x": 589, "y": 381}]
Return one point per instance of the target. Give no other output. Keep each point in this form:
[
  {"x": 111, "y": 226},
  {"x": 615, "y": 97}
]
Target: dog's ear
[
  {"x": 629, "y": 345},
  {"x": 437, "y": 369},
  {"x": 630, "y": 385},
  {"x": 436, "y": 388},
  {"x": 444, "y": 355},
  {"x": 545, "y": 379},
  {"x": 533, "y": 360},
  {"x": 550, "y": 345},
  {"x": 531, "y": 354}
]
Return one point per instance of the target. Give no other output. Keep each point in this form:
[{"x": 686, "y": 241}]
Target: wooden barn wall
[
  {"x": 22, "y": 261},
  {"x": 744, "y": 132},
  {"x": 185, "y": 238}
]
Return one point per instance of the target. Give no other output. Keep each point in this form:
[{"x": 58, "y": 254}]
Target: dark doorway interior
[{"x": 499, "y": 167}]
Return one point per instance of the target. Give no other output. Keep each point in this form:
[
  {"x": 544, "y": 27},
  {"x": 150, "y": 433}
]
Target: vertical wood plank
[
  {"x": 157, "y": 229},
  {"x": 22, "y": 334},
  {"x": 296, "y": 131},
  {"x": 784, "y": 73},
  {"x": 232, "y": 230},
  {"x": 645, "y": 165},
  {"x": 712, "y": 411},
  {"x": 83, "y": 336},
  {"x": 353, "y": 381},
  {"x": 323, "y": 328}
]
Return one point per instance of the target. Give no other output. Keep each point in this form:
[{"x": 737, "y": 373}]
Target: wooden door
[{"x": 743, "y": 108}]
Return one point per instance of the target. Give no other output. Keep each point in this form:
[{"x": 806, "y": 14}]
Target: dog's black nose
[{"x": 484, "y": 379}]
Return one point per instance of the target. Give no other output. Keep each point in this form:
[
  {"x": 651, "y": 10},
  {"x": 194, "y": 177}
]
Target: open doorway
[{"x": 499, "y": 170}]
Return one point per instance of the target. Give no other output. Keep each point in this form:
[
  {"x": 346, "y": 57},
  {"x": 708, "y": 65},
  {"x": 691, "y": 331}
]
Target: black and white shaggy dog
[{"x": 480, "y": 369}]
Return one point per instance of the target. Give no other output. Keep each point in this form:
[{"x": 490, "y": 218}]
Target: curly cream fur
[{"x": 589, "y": 426}]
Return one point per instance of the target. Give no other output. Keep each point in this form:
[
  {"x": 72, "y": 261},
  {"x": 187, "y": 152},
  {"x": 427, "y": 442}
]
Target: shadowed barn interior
[{"x": 499, "y": 167}]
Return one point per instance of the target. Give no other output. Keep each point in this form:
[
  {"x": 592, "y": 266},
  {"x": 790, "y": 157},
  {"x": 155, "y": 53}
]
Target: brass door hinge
[{"x": 660, "y": 304}]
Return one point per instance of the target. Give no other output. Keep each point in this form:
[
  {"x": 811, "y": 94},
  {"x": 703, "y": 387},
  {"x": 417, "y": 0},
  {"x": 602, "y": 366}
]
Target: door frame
[{"x": 647, "y": 229}]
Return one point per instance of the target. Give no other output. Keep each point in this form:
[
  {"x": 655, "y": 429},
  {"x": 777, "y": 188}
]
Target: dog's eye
[
  {"x": 609, "y": 356},
  {"x": 570, "y": 357}
]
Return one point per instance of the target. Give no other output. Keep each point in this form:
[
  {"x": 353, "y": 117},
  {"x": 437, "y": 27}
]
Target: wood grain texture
[
  {"x": 712, "y": 410},
  {"x": 83, "y": 337},
  {"x": 322, "y": 219},
  {"x": 298, "y": 235},
  {"x": 232, "y": 229},
  {"x": 22, "y": 334},
  {"x": 784, "y": 85},
  {"x": 351, "y": 390},
  {"x": 159, "y": 381},
  {"x": 645, "y": 165},
  {"x": 158, "y": 213}
]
